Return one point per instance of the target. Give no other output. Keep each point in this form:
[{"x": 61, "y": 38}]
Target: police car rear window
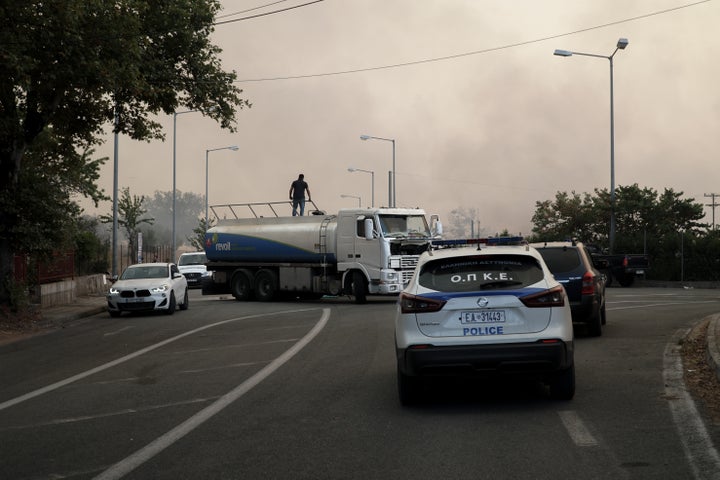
[
  {"x": 480, "y": 272},
  {"x": 561, "y": 260}
]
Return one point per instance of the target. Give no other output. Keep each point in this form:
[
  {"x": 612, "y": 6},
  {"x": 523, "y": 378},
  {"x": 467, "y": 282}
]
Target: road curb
[{"x": 713, "y": 349}]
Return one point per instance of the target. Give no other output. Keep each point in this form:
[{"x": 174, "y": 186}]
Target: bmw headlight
[
  {"x": 114, "y": 291},
  {"x": 160, "y": 289}
]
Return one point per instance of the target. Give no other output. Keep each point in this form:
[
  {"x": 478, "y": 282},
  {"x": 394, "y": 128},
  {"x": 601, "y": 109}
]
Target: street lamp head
[
  {"x": 234, "y": 148},
  {"x": 622, "y": 43},
  {"x": 563, "y": 53},
  {"x": 364, "y": 137},
  {"x": 351, "y": 169}
]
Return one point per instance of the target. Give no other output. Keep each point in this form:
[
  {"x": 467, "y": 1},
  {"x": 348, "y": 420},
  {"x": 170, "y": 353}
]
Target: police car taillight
[
  {"x": 414, "y": 304},
  {"x": 555, "y": 297}
]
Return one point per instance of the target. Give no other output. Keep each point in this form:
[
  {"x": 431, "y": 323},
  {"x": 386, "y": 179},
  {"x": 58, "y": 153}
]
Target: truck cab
[{"x": 384, "y": 244}]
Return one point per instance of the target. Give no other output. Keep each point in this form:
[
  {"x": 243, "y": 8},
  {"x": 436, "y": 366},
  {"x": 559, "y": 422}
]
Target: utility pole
[{"x": 713, "y": 205}]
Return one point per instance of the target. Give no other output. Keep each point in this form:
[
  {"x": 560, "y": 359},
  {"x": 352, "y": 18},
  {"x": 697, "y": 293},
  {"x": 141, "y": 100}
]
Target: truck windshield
[{"x": 404, "y": 226}]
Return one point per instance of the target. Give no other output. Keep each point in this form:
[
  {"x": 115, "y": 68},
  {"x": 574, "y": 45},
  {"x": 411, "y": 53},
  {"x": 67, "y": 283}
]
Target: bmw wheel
[
  {"x": 186, "y": 301},
  {"x": 171, "y": 306}
]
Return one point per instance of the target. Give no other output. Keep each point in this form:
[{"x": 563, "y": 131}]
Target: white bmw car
[
  {"x": 148, "y": 287},
  {"x": 474, "y": 312}
]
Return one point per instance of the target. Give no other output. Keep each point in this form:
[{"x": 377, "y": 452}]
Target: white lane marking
[
  {"x": 110, "y": 334},
  {"x": 182, "y": 372},
  {"x": 649, "y": 305},
  {"x": 118, "y": 361},
  {"x": 223, "y": 367},
  {"x": 126, "y": 411},
  {"x": 130, "y": 463},
  {"x": 696, "y": 442},
  {"x": 236, "y": 345},
  {"x": 577, "y": 429}
]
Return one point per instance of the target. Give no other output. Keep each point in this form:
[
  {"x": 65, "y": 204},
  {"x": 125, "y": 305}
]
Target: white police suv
[{"x": 480, "y": 311}]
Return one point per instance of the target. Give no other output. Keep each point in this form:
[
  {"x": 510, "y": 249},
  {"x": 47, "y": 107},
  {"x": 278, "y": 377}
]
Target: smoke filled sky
[{"x": 483, "y": 114}]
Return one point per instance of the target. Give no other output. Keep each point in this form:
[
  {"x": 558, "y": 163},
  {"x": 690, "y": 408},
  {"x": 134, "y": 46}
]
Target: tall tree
[
  {"x": 42, "y": 203},
  {"x": 190, "y": 206},
  {"x": 640, "y": 213},
  {"x": 198, "y": 240},
  {"x": 131, "y": 213},
  {"x": 569, "y": 216},
  {"x": 80, "y": 65}
]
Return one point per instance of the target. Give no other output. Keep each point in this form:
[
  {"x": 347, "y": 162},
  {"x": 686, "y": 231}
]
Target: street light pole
[
  {"x": 234, "y": 148},
  {"x": 359, "y": 199},
  {"x": 372, "y": 184},
  {"x": 174, "y": 182},
  {"x": 621, "y": 44},
  {"x": 392, "y": 198}
]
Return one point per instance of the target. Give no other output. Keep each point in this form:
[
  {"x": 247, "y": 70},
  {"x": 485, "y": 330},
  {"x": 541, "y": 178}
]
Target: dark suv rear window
[
  {"x": 467, "y": 274},
  {"x": 561, "y": 259}
]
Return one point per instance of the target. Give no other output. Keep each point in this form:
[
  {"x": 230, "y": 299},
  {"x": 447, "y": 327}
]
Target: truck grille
[{"x": 408, "y": 262}]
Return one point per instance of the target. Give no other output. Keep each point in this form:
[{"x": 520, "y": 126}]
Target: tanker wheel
[
  {"x": 242, "y": 285},
  {"x": 266, "y": 285},
  {"x": 359, "y": 287}
]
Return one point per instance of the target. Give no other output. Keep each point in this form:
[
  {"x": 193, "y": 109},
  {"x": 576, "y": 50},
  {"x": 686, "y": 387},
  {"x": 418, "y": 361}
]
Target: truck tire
[
  {"x": 626, "y": 280},
  {"x": 242, "y": 285},
  {"x": 359, "y": 287},
  {"x": 266, "y": 284}
]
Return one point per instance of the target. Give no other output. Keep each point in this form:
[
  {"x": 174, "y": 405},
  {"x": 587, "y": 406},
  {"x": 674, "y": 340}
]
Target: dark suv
[{"x": 571, "y": 264}]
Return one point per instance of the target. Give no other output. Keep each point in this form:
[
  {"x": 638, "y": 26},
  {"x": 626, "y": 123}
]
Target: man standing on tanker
[{"x": 297, "y": 194}]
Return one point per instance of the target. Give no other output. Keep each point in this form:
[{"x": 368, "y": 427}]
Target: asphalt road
[{"x": 230, "y": 390}]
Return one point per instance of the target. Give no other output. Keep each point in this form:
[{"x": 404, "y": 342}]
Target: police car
[{"x": 483, "y": 310}]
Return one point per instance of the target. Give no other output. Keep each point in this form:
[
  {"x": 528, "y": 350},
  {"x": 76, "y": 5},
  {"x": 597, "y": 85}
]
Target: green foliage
[
  {"x": 42, "y": 204},
  {"x": 91, "y": 251},
  {"x": 198, "y": 241},
  {"x": 78, "y": 66},
  {"x": 646, "y": 222}
]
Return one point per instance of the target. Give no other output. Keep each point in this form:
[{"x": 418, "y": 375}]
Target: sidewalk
[{"x": 85, "y": 306}]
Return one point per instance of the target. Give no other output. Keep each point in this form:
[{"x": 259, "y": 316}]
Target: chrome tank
[{"x": 307, "y": 239}]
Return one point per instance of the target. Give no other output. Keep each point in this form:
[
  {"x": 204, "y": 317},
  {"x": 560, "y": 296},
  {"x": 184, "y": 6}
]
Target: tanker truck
[{"x": 356, "y": 252}]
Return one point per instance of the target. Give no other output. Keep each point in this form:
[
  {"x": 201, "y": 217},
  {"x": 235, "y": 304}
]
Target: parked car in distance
[
  {"x": 623, "y": 267},
  {"x": 474, "y": 313},
  {"x": 192, "y": 266},
  {"x": 147, "y": 287},
  {"x": 573, "y": 266}
]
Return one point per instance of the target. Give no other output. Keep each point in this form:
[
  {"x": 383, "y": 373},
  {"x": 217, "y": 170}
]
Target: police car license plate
[{"x": 484, "y": 316}]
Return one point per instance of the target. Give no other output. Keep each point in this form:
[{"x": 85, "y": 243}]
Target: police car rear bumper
[{"x": 481, "y": 360}]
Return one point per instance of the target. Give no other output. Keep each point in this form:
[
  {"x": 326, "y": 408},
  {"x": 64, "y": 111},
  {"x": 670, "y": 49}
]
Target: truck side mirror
[
  {"x": 438, "y": 229},
  {"x": 369, "y": 226}
]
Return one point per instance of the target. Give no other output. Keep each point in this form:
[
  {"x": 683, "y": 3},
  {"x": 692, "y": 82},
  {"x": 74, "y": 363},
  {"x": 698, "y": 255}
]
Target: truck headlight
[{"x": 391, "y": 276}]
